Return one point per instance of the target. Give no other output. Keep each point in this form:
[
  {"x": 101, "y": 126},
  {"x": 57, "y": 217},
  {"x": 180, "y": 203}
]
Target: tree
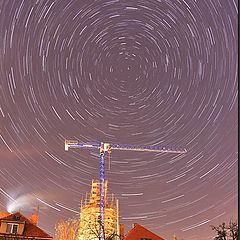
[
  {"x": 89, "y": 228},
  {"x": 233, "y": 230},
  {"x": 226, "y": 232},
  {"x": 67, "y": 230}
]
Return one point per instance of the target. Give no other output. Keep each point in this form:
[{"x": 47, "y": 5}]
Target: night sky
[{"x": 154, "y": 73}]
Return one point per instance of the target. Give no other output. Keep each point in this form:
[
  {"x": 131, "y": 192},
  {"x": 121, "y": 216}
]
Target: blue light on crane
[{"x": 102, "y": 200}]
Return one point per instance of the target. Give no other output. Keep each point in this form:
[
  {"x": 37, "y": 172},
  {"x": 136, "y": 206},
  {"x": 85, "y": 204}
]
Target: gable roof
[
  {"x": 138, "y": 232},
  {"x": 30, "y": 229}
]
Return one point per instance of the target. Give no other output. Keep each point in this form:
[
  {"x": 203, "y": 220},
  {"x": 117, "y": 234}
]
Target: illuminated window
[{"x": 12, "y": 228}]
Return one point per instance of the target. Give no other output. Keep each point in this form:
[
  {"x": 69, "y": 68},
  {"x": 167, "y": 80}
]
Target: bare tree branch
[{"x": 224, "y": 232}]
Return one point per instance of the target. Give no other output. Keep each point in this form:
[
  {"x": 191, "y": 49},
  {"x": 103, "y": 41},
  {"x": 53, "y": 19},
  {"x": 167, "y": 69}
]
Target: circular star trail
[{"x": 154, "y": 73}]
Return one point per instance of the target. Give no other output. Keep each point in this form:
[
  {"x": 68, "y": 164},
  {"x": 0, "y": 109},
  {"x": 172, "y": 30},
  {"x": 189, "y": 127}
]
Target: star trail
[{"x": 154, "y": 73}]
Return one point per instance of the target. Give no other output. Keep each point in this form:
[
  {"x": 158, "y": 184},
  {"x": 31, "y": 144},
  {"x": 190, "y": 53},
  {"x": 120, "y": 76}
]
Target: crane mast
[{"x": 107, "y": 148}]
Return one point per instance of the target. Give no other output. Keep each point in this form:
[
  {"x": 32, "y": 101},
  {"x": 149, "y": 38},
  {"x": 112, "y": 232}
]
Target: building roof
[
  {"x": 30, "y": 229},
  {"x": 138, "y": 232},
  {"x": 4, "y": 214}
]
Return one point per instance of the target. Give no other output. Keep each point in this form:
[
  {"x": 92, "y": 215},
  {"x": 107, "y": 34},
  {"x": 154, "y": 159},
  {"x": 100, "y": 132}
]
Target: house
[
  {"x": 16, "y": 227},
  {"x": 138, "y": 232}
]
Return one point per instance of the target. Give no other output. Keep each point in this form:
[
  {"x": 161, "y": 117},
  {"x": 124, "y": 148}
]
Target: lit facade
[{"x": 90, "y": 214}]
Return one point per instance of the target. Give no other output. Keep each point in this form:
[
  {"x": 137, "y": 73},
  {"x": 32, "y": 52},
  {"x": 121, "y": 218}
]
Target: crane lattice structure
[{"x": 107, "y": 148}]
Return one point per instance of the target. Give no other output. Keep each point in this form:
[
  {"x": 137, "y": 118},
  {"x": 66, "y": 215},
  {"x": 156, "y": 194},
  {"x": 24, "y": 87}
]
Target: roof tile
[{"x": 138, "y": 232}]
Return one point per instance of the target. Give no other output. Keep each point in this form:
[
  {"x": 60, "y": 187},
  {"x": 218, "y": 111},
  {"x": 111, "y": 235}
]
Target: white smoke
[{"x": 21, "y": 203}]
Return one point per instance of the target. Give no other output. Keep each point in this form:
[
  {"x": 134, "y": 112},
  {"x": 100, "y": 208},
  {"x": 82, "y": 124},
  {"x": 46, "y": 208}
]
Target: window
[
  {"x": 15, "y": 228},
  {"x": 12, "y": 228},
  {"x": 145, "y": 239},
  {"x": 9, "y": 227}
]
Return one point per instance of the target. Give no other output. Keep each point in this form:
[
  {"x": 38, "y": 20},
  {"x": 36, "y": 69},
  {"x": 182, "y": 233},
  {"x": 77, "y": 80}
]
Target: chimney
[
  {"x": 134, "y": 225},
  {"x": 34, "y": 219},
  {"x": 121, "y": 227}
]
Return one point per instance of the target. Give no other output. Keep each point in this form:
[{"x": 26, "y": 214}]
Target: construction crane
[{"x": 107, "y": 148}]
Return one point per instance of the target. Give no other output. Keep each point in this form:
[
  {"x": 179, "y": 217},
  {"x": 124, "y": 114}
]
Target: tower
[{"x": 90, "y": 214}]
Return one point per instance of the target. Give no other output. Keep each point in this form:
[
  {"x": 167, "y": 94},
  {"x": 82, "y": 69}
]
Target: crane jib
[
  {"x": 107, "y": 146},
  {"x": 149, "y": 150}
]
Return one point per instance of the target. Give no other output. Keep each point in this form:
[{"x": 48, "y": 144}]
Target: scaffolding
[{"x": 90, "y": 214}]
